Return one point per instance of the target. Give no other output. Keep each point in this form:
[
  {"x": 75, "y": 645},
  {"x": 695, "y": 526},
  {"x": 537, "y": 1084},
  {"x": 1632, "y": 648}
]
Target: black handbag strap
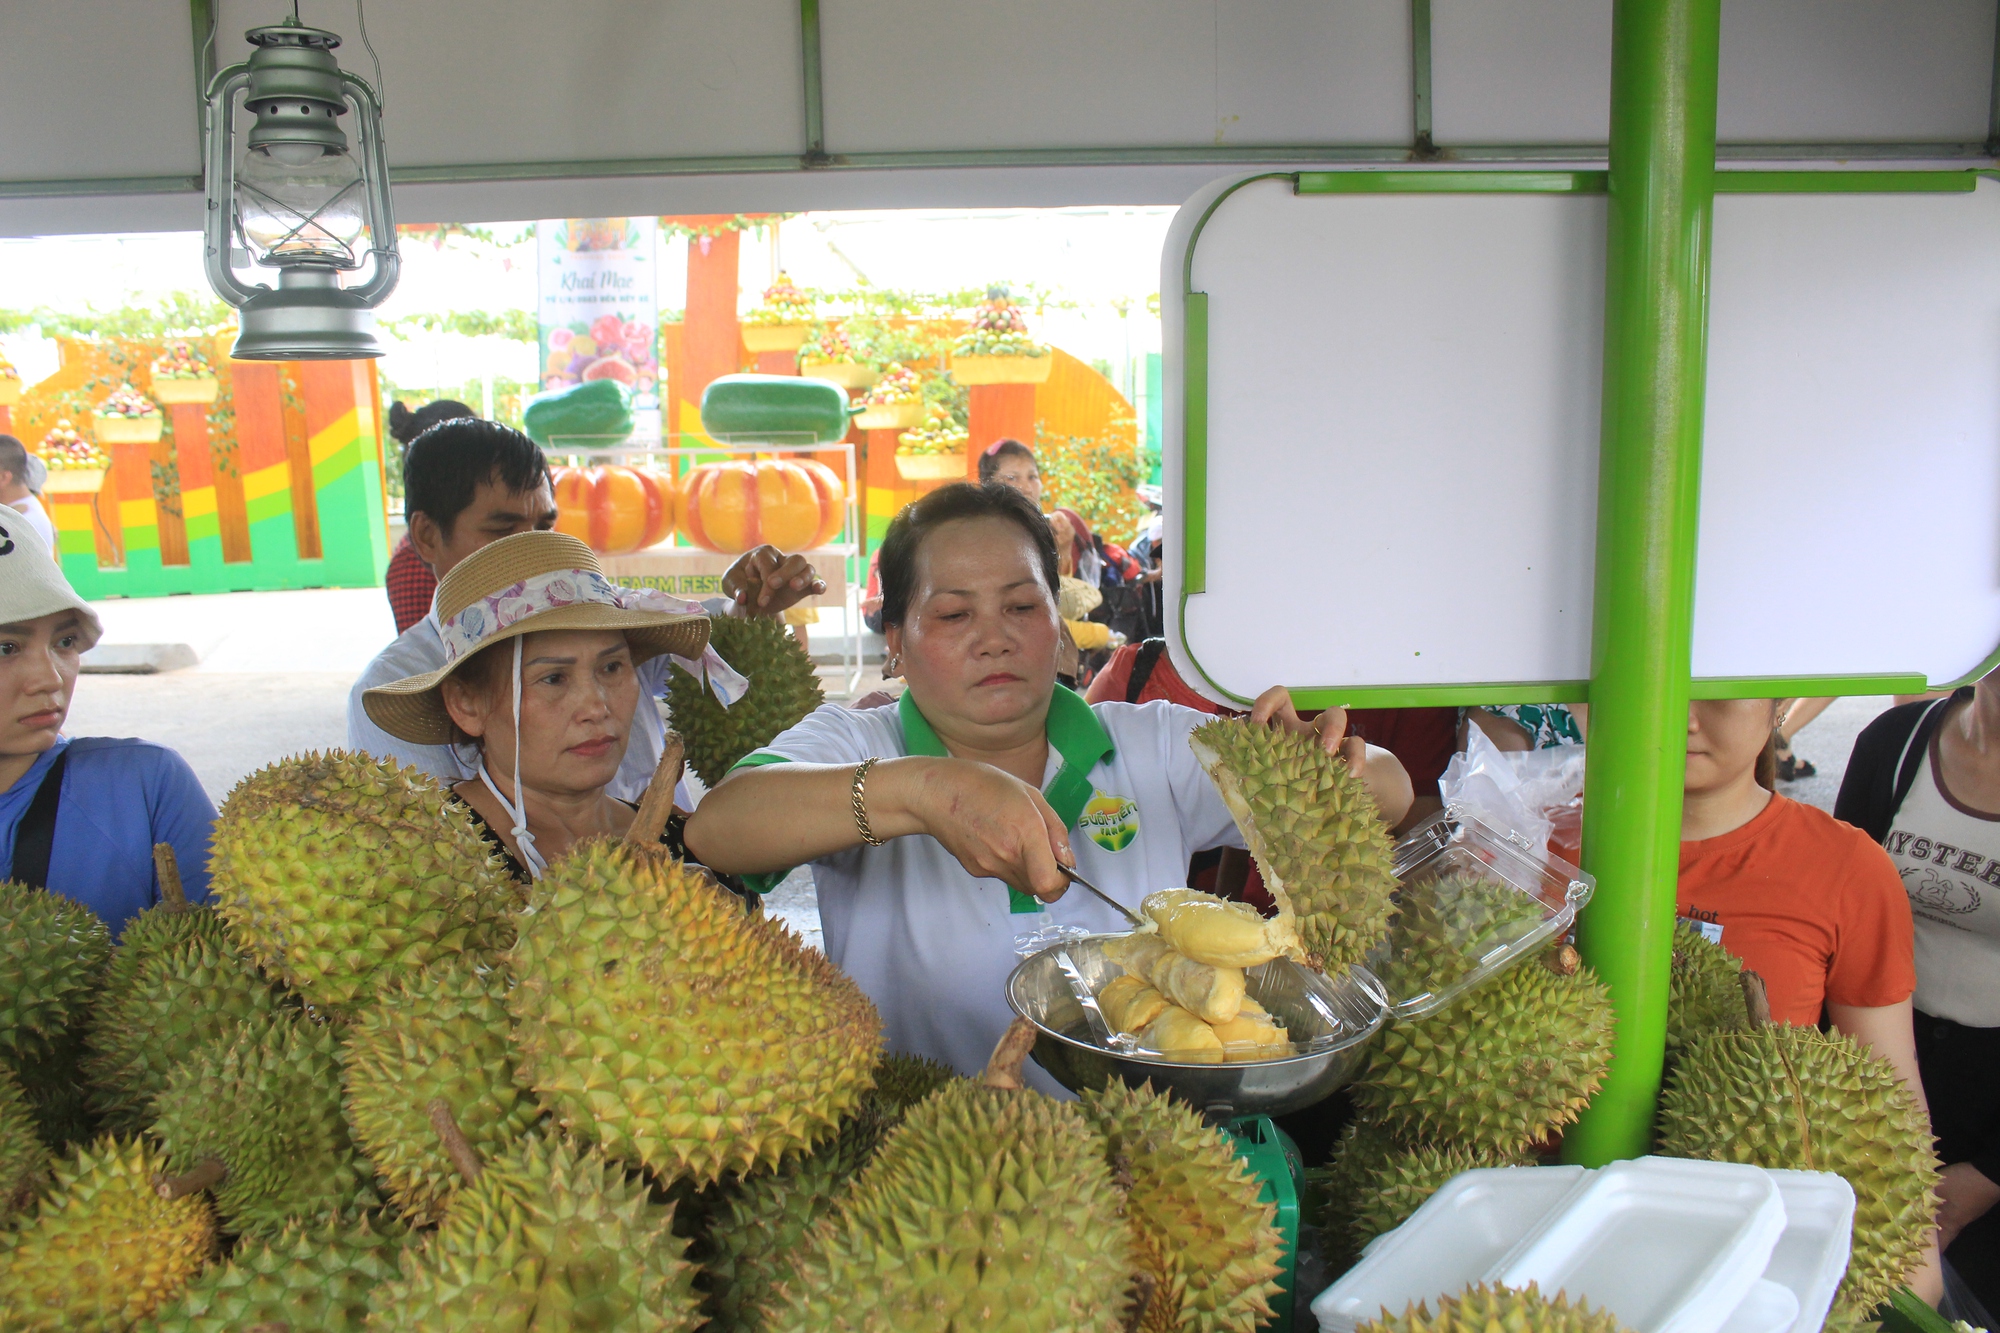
[
  {"x": 1143, "y": 663},
  {"x": 35, "y": 836}
]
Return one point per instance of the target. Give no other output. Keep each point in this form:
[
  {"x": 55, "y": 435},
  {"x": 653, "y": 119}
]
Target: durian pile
[
  {"x": 374, "y": 1084},
  {"x": 1491, "y": 1077}
]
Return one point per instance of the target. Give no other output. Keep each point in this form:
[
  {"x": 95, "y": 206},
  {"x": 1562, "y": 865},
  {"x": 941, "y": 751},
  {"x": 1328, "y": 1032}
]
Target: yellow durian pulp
[
  {"x": 1180, "y": 1035},
  {"x": 1130, "y": 1003},
  {"x": 1220, "y": 933}
]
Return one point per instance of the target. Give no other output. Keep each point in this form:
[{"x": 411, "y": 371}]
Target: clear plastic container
[{"x": 1485, "y": 894}]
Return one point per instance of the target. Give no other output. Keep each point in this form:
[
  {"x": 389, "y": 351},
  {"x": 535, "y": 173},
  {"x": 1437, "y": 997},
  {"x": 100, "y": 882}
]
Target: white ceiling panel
[{"x": 97, "y": 88}]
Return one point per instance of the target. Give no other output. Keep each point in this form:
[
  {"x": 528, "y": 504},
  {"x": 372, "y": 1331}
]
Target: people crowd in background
[{"x": 1881, "y": 921}]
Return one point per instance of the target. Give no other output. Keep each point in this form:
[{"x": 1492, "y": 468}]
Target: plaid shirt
[{"x": 411, "y": 585}]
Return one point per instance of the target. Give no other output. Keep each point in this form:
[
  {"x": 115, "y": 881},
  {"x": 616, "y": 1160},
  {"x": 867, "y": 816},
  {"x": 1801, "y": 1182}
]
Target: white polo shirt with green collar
[{"x": 931, "y": 945}]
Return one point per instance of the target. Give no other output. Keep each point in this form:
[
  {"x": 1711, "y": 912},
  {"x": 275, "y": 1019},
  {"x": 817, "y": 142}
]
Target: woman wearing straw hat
[
  {"x": 79, "y": 816},
  {"x": 540, "y": 681}
]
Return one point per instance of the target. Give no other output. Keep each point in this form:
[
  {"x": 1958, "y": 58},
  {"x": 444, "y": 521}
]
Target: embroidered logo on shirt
[{"x": 1110, "y": 821}]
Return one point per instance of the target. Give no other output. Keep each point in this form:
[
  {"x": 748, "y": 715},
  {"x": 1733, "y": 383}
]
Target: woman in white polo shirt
[{"x": 937, "y": 828}]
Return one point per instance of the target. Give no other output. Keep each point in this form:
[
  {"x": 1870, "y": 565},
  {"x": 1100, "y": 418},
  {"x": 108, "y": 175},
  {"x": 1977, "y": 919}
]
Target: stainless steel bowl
[{"x": 1329, "y": 1017}]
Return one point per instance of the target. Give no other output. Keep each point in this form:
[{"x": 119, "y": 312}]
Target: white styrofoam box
[
  {"x": 1771, "y": 1307},
  {"x": 1811, "y": 1257},
  {"x": 1483, "y": 1214},
  {"x": 1666, "y": 1244}
]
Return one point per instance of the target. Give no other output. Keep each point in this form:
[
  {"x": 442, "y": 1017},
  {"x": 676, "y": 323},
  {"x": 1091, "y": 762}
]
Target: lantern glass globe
[{"x": 298, "y": 203}]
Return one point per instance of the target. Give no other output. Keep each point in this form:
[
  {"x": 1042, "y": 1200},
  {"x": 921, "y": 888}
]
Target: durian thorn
[
  {"x": 1003, "y": 1067},
  {"x": 207, "y": 1174},
  {"x": 1756, "y": 999},
  {"x": 658, "y": 802},
  {"x": 456, "y": 1146},
  {"x": 1144, "y": 1286},
  {"x": 172, "y": 896}
]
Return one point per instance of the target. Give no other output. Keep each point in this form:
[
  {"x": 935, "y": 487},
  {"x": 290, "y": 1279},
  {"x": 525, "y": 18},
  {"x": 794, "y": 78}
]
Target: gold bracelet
[{"x": 858, "y": 795}]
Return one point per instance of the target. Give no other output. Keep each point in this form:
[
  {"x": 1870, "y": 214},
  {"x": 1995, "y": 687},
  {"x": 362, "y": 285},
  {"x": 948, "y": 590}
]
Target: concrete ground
[{"x": 275, "y": 668}]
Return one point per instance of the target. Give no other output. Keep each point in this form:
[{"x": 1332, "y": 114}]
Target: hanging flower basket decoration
[
  {"x": 934, "y": 451},
  {"x": 829, "y": 356}
]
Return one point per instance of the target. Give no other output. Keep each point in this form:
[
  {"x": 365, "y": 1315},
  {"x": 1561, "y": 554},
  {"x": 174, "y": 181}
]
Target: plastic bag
[{"x": 1535, "y": 795}]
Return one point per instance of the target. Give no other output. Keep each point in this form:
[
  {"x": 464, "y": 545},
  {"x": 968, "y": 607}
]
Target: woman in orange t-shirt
[{"x": 1811, "y": 905}]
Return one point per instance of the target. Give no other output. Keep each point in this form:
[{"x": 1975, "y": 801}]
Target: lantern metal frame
[{"x": 308, "y": 316}]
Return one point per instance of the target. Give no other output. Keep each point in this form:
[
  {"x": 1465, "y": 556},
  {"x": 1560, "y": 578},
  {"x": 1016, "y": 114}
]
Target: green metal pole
[{"x": 1661, "y": 195}]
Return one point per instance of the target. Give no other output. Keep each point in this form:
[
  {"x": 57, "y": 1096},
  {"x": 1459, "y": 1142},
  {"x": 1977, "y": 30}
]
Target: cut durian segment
[
  {"x": 1251, "y": 1036},
  {"x": 1137, "y": 952},
  {"x": 1181, "y": 1036},
  {"x": 1218, "y": 932},
  {"x": 1315, "y": 831},
  {"x": 1129, "y": 1003}
]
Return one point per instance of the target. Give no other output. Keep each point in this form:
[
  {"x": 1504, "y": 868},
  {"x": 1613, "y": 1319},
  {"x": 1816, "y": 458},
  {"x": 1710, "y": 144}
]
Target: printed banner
[{"x": 597, "y": 281}]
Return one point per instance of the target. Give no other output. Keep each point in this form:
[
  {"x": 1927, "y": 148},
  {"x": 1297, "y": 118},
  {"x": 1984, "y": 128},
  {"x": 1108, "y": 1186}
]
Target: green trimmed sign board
[{"x": 1382, "y": 394}]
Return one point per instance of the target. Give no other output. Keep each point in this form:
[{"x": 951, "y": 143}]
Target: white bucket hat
[{"x": 32, "y": 583}]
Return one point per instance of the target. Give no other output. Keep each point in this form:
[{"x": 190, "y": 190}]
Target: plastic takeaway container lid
[
  {"x": 1666, "y": 1244},
  {"x": 1496, "y": 901},
  {"x": 1663, "y": 1243}
]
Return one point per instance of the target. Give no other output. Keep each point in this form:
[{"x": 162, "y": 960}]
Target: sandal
[{"x": 1793, "y": 769}]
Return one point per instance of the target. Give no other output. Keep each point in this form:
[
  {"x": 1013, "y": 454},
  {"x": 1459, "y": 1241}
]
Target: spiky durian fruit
[
  {"x": 188, "y": 985},
  {"x": 264, "y": 1103},
  {"x": 986, "y": 1209},
  {"x": 24, "y": 1159},
  {"x": 1704, "y": 990},
  {"x": 1200, "y": 1227},
  {"x": 1316, "y": 833},
  {"x": 1493, "y": 1309},
  {"x": 551, "y": 1237},
  {"x": 53, "y": 954},
  {"x": 339, "y": 872},
  {"x": 1498, "y": 1067},
  {"x": 1375, "y": 1183},
  {"x": 761, "y": 1219},
  {"x": 1790, "y": 1097},
  {"x": 320, "y": 1278},
  {"x": 154, "y": 931},
  {"x": 440, "y": 1034},
  {"x": 901, "y": 1081},
  {"x": 783, "y": 689},
  {"x": 1446, "y": 925},
  {"x": 735, "y": 1044},
  {"x": 104, "y": 1249}
]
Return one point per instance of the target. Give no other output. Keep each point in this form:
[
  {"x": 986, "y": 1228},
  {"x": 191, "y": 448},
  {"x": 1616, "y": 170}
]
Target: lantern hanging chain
[{"x": 361, "y": 21}]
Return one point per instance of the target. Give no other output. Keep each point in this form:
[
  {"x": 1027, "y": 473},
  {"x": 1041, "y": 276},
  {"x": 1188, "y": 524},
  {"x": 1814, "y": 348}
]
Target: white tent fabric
[{"x": 505, "y": 109}]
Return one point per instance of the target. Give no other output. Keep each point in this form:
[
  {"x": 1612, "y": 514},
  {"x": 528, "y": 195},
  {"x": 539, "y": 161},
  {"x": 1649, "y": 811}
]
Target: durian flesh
[{"x": 1220, "y": 933}]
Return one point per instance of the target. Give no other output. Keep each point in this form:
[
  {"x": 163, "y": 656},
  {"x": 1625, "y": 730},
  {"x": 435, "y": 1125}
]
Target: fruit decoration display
[
  {"x": 783, "y": 321},
  {"x": 182, "y": 374},
  {"x": 616, "y": 509},
  {"x": 828, "y": 355},
  {"x": 894, "y": 402},
  {"x": 65, "y": 450},
  {"x": 997, "y": 349},
  {"x": 793, "y": 504},
  {"x": 126, "y": 416},
  {"x": 934, "y": 450},
  {"x": 607, "y": 348},
  {"x": 10, "y": 383}
]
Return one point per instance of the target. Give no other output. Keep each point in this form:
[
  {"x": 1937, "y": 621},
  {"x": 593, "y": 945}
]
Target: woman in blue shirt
[{"x": 79, "y": 816}]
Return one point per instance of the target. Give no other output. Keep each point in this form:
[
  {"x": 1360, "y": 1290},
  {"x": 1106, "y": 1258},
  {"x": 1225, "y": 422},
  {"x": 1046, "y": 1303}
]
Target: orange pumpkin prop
[
  {"x": 615, "y": 509},
  {"x": 790, "y": 504}
]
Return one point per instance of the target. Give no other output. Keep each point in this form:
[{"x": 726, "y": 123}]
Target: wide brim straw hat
[
  {"x": 528, "y": 583},
  {"x": 32, "y": 583}
]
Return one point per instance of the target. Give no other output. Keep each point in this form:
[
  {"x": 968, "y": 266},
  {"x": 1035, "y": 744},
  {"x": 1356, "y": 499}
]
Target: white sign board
[{"x": 1402, "y": 430}]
